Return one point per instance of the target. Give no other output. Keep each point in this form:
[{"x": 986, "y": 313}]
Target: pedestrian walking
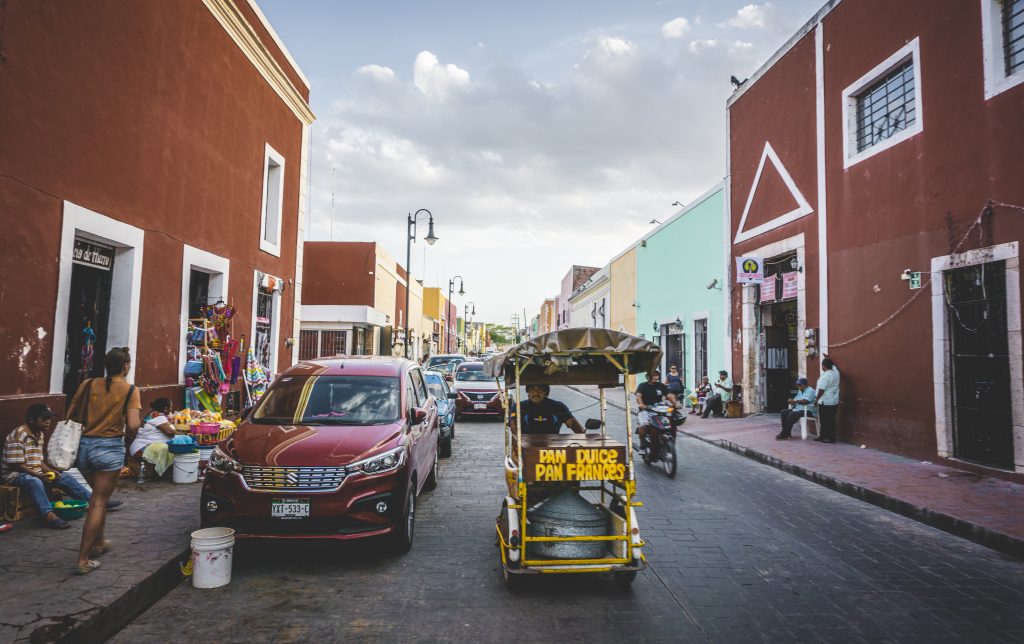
[
  {"x": 827, "y": 401},
  {"x": 801, "y": 403},
  {"x": 108, "y": 406}
]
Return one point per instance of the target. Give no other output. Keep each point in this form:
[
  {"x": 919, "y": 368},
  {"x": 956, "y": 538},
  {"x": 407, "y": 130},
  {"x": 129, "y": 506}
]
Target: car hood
[{"x": 303, "y": 445}]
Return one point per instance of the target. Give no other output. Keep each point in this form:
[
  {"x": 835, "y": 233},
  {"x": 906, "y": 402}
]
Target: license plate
[
  {"x": 289, "y": 508},
  {"x": 480, "y": 406}
]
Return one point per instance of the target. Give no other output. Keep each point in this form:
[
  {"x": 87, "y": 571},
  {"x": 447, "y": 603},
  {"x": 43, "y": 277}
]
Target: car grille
[
  {"x": 484, "y": 397},
  {"x": 297, "y": 479}
]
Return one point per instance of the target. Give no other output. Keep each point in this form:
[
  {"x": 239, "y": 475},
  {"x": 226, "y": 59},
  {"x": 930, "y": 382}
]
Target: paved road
[{"x": 739, "y": 552}]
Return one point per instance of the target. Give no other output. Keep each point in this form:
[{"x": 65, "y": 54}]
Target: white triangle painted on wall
[{"x": 803, "y": 208}]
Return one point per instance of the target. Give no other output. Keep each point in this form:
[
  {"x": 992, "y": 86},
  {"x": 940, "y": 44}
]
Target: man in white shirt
[
  {"x": 827, "y": 401},
  {"x": 722, "y": 393}
]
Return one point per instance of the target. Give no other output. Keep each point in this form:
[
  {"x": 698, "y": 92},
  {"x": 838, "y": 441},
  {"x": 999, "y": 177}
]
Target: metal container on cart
[{"x": 567, "y": 514}]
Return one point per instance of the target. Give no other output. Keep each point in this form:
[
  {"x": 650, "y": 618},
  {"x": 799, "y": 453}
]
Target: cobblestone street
[{"x": 738, "y": 552}]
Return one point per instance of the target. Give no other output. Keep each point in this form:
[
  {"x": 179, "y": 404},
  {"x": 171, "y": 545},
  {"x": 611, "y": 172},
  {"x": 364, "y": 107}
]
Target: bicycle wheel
[{"x": 668, "y": 456}]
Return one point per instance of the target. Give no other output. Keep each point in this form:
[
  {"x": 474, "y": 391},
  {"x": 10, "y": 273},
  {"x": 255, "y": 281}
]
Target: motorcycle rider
[{"x": 650, "y": 393}]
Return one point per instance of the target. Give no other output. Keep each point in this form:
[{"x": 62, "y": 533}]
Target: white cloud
[
  {"x": 751, "y": 15},
  {"x": 436, "y": 80},
  {"x": 675, "y": 28},
  {"x": 697, "y": 46},
  {"x": 731, "y": 46},
  {"x": 376, "y": 72},
  {"x": 616, "y": 47}
]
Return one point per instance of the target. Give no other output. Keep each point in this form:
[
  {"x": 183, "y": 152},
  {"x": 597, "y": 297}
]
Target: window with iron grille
[
  {"x": 307, "y": 344},
  {"x": 887, "y": 106},
  {"x": 332, "y": 343},
  {"x": 1013, "y": 36}
]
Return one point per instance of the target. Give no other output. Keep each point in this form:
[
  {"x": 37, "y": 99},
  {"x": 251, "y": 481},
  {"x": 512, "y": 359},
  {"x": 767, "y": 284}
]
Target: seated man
[
  {"x": 649, "y": 393},
  {"x": 789, "y": 417},
  {"x": 23, "y": 465},
  {"x": 542, "y": 415},
  {"x": 715, "y": 403}
]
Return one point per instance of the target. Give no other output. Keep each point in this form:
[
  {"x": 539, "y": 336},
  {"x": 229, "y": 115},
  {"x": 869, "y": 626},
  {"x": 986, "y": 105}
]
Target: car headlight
[
  {"x": 220, "y": 461},
  {"x": 388, "y": 461}
]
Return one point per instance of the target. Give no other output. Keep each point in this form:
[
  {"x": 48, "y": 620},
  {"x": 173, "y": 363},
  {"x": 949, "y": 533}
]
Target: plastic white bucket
[
  {"x": 211, "y": 557},
  {"x": 186, "y": 467},
  {"x": 204, "y": 459}
]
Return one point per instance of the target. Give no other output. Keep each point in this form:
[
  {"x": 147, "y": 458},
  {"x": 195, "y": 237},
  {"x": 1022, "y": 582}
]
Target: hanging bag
[{"x": 62, "y": 448}]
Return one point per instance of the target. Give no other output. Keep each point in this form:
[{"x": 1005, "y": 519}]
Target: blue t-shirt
[{"x": 546, "y": 417}]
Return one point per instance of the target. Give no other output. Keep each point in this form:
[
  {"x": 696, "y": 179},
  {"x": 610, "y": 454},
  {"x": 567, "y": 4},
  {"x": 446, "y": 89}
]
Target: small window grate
[
  {"x": 1013, "y": 35},
  {"x": 886, "y": 107}
]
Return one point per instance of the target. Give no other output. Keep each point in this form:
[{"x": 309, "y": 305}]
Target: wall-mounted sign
[
  {"x": 915, "y": 280},
  {"x": 749, "y": 270},
  {"x": 768, "y": 289},
  {"x": 789, "y": 289},
  {"x": 88, "y": 253}
]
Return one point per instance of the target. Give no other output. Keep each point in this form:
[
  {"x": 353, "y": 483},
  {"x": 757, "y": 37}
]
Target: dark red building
[
  {"x": 869, "y": 163},
  {"x": 153, "y": 160}
]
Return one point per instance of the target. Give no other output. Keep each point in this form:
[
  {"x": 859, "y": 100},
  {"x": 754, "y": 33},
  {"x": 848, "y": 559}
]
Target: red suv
[{"x": 336, "y": 449}]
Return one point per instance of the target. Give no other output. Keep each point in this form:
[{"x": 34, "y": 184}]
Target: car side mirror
[
  {"x": 593, "y": 423},
  {"x": 418, "y": 415},
  {"x": 453, "y": 395}
]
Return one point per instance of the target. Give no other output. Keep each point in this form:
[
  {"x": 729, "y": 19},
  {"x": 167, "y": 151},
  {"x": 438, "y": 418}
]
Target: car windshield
[
  {"x": 471, "y": 374},
  {"x": 330, "y": 400},
  {"x": 442, "y": 362},
  {"x": 435, "y": 384}
]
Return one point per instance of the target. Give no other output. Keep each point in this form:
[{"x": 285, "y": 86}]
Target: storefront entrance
[
  {"x": 88, "y": 313},
  {"x": 779, "y": 324}
]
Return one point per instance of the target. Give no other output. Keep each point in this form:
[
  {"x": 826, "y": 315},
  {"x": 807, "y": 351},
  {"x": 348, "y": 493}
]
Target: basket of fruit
[{"x": 70, "y": 509}]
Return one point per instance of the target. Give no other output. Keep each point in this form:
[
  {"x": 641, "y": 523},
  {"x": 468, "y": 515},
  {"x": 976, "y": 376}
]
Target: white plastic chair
[{"x": 807, "y": 419}]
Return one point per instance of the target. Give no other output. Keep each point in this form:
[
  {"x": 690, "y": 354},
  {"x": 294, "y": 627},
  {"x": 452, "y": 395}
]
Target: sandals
[
  {"x": 87, "y": 567},
  {"x": 57, "y": 523},
  {"x": 101, "y": 549}
]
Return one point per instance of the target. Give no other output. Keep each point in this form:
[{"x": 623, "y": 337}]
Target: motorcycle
[{"x": 661, "y": 437}]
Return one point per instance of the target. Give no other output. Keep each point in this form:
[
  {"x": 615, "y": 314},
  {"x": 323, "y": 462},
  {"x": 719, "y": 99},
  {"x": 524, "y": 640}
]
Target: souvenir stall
[{"x": 214, "y": 364}]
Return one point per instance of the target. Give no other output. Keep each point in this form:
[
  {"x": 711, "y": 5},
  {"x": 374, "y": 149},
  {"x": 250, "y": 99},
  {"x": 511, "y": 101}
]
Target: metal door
[
  {"x": 776, "y": 362},
  {"x": 979, "y": 355},
  {"x": 700, "y": 350},
  {"x": 88, "y": 317}
]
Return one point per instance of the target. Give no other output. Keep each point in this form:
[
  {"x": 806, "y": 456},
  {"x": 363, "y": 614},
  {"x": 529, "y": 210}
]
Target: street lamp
[
  {"x": 462, "y": 291},
  {"x": 465, "y": 324},
  {"x": 409, "y": 239}
]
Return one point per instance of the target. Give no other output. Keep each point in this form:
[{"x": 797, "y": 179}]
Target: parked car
[
  {"x": 337, "y": 448},
  {"x": 437, "y": 385},
  {"x": 478, "y": 392},
  {"x": 446, "y": 362}
]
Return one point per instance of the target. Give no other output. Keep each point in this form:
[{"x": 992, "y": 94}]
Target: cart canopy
[{"x": 576, "y": 356}]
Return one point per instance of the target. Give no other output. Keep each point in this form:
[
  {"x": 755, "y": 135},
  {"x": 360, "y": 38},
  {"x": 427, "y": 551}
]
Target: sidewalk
[
  {"x": 42, "y": 600},
  {"x": 986, "y": 510}
]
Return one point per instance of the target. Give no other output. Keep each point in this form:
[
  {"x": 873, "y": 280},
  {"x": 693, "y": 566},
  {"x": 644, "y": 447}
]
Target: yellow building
[{"x": 622, "y": 275}]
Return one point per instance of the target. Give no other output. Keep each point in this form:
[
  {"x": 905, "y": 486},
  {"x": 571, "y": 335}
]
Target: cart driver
[{"x": 542, "y": 415}]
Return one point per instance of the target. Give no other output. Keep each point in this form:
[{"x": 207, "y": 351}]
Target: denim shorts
[{"x": 98, "y": 454}]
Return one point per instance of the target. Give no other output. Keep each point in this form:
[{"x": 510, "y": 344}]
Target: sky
[{"x": 538, "y": 134}]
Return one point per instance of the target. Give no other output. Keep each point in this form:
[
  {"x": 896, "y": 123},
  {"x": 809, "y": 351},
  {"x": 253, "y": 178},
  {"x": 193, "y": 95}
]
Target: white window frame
[
  {"x": 219, "y": 269},
  {"x": 911, "y": 51},
  {"x": 996, "y": 80},
  {"x": 941, "y": 364},
  {"x": 126, "y": 283},
  {"x": 272, "y": 247}
]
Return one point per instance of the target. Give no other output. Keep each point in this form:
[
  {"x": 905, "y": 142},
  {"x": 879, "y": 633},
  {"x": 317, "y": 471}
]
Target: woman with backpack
[{"x": 104, "y": 407}]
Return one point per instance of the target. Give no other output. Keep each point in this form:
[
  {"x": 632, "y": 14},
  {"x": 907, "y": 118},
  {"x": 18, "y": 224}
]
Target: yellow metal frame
[{"x": 628, "y": 486}]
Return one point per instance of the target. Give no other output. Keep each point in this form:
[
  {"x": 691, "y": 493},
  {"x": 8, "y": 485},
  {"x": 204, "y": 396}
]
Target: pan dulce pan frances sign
[{"x": 749, "y": 270}]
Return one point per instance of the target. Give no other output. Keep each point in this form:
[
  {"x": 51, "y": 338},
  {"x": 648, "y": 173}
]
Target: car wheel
[
  {"x": 406, "y": 528},
  {"x": 445, "y": 447},
  {"x": 431, "y": 482}
]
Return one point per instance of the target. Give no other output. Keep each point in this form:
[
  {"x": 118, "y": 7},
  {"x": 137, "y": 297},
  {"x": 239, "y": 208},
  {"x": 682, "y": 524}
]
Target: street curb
[
  {"x": 1004, "y": 543},
  {"x": 113, "y": 617}
]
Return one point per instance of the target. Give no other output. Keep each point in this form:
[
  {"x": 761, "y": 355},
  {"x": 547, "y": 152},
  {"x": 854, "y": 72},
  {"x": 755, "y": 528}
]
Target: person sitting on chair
[
  {"x": 789, "y": 417},
  {"x": 700, "y": 394},
  {"x": 543, "y": 415},
  {"x": 715, "y": 404}
]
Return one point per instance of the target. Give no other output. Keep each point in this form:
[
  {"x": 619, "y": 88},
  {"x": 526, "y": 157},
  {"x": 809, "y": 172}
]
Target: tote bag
[{"x": 62, "y": 448}]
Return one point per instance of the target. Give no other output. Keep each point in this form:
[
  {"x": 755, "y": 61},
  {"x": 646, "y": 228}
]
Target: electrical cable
[{"x": 977, "y": 222}]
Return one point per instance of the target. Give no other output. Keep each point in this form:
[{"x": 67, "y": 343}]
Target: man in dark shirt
[
  {"x": 542, "y": 415},
  {"x": 650, "y": 393}
]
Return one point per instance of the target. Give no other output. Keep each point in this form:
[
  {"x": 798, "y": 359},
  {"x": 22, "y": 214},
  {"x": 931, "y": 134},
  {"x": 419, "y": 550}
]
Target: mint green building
[{"x": 682, "y": 288}]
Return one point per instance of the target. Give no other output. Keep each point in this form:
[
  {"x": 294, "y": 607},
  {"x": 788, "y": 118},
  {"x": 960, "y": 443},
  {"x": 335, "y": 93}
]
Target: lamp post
[
  {"x": 465, "y": 324},
  {"x": 409, "y": 239},
  {"x": 462, "y": 291}
]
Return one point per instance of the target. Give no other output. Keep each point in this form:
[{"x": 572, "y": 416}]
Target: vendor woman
[{"x": 156, "y": 428}]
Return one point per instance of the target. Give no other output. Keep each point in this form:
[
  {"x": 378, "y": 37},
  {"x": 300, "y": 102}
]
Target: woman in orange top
[{"x": 104, "y": 407}]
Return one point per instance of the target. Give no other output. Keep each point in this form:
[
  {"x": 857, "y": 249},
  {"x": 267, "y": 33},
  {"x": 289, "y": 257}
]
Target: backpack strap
[{"x": 80, "y": 412}]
